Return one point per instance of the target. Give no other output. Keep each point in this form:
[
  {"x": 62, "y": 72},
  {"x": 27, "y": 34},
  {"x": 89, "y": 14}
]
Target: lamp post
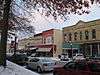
[
  {"x": 71, "y": 49},
  {"x": 0, "y": 36}
]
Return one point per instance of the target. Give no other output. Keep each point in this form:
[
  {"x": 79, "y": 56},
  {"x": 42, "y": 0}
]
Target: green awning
[{"x": 68, "y": 46}]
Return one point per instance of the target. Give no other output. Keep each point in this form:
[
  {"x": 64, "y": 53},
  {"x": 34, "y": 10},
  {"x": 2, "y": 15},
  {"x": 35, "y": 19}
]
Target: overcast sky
[{"x": 43, "y": 23}]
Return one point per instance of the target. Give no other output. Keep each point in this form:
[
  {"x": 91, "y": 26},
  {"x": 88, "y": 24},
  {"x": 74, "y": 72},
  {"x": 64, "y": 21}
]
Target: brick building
[{"x": 47, "y": 43}]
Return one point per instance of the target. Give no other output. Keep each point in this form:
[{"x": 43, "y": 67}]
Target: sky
[{"x": 41, "y": 23}]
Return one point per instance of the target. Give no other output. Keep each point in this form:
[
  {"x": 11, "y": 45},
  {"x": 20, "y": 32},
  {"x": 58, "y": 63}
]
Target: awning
[
  {"x": 20, "y": 48},
  {"x": 68, "y": 46},
  {"x": 43, "y": 50}
]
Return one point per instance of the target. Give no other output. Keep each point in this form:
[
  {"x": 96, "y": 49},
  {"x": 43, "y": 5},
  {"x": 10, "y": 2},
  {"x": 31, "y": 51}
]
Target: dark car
[
  {"x": 19, "y": 59},
  {"x": 78, "y": 68}
]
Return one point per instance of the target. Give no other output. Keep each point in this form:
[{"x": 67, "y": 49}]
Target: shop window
[
  {"x": 93, "y": 33},
  {"x": 94, "y": 49},
  {"x": 70, "y": 37},
  {"x": 75, "y": 36},
  {"x": 80, "y": 35},
  {"x": 86, "y": 35}
]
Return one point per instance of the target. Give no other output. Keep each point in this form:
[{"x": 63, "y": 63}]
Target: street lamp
[{"x": 71, "y": 49}]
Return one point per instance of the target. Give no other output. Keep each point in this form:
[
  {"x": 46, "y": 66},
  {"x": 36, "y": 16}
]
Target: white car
[
  {"x": 41, "y": 64},
  {"x": 63, "y": 62},
  {"x": 79, "y": 57}
]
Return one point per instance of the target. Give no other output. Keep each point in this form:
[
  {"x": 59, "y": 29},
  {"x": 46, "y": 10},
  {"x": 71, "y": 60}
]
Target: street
[
  {"x": 48, "y": 73},
  {"x": 44, "y": 73}
]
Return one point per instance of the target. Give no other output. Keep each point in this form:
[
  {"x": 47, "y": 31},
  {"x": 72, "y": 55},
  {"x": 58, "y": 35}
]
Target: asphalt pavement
[{"x": 47, "y": 73}]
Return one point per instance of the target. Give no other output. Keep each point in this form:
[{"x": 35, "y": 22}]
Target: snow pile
[{"x": 13, "y": 69}]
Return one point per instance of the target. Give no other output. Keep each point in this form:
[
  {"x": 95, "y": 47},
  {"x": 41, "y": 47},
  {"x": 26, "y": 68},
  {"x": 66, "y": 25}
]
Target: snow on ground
[{"x": 14, "y": 69}]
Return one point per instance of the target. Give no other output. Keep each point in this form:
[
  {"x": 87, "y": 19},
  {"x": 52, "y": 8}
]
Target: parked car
[
  {"x": 78, "y": 68},
  {"x": 79, "y": 57},
  {"x": 41, "y": 64},
  {"x": 19, "y": 59},
  {"x": 32, "y": 55}
]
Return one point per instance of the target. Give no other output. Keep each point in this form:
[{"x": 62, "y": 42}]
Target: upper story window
[
  {"x": 75, "y": 36},
  {"x": 70, "y": 37},
  {"x": 93, "y": 33},
  {"x": 52, "y": 39},
  {"x": 86, "y": 34},
  {"x": 44, "y": 41},
  {"x": 65, "y": 37},
  {"x": 80, "y": 35},
  {"x": 49, "y": 40}
]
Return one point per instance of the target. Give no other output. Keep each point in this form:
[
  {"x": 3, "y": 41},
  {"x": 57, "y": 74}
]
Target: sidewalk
[{"x": 14, "y": 69}]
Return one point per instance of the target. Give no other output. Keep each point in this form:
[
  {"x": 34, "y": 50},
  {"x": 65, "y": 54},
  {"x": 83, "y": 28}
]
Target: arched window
[
  {"x": 75, "y": 36},
  {"x": 70, "y": 37},
  {"x": 80, "y": 35}
]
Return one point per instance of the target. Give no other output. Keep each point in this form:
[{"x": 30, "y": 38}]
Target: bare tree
[
  {"x": 61, "y": 8},
  {"x": 11, "y": 22}
]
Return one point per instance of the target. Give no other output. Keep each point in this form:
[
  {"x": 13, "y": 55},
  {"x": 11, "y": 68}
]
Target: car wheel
[
  {"x": 39, "y": 69},
  {"x": 54, "y": 73}
]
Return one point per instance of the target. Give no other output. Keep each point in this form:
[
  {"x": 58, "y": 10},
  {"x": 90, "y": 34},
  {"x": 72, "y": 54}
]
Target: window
[
  {"x": 80, "y": 35},
  {"x": 52, "y": 39},
  {"x": 93, "y": 33},
  {"x": 65, "y": 37},
  {"x": 75, "y": 36},
  {"x": 86, "y": 35},
  {"x": 44, "y": 40},
  {"x": 70, "y": 37}
]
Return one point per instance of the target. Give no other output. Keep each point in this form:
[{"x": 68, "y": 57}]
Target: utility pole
[{"x": 4, "y": 32}]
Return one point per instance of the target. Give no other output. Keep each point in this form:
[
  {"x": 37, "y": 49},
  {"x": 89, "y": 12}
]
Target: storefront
[
  {"x": 91, "y": 49},
  {"x": 71, "y": 49},
  {"x": 45, "y": 50}
]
